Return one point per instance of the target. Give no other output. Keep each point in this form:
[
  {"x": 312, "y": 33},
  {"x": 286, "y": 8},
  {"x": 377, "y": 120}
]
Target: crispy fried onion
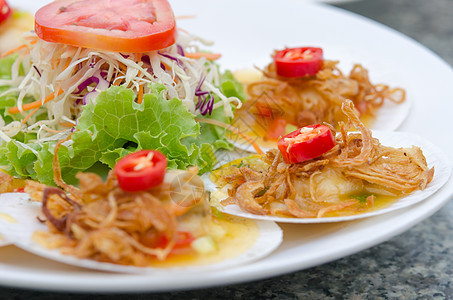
[
  {"x": 109, "y": 224},
  {"x": 317, "y": 99},
  {"x": 98, "y": 220},
  {"x": 347, "y": 178}
]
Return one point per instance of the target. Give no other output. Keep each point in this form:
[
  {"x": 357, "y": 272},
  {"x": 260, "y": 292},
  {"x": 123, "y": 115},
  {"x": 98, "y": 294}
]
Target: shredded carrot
[
  {"x": 117, "y": 82},
  {"x": 140, "y": 88},
  {"x": 36, "y": 104},
  {"x": 57, "y": 172},
  {"x": 18, "y": 48},
  {"x": 66, "y": 124},
  {"x": 123, "y": 67},
  {"x": 208, "y": 56},
  {"x": 29, "y": 115},
  {"x": 233, "y": 130},
  {"x": 140, "y": 94},
  {"x": 34, "y": 38},
  {"x": 53, "y": 131},
  {"x": 14, "y": 50},
  {"x": 68, "y": 62},
  {"x": 185, "y": 17},
  {"x": 183, "y": 30}
]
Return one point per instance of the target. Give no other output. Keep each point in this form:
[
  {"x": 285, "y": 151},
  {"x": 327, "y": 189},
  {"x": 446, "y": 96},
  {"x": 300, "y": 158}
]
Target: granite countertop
[{"x": 416, "y": 264}]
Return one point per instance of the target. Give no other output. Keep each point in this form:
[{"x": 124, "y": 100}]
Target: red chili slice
[
  {"x": 298, "y": 62},
  {"x": 183, "y": 240},
  {"x": 5, "y": 11},
  {"x": 182, "y": 244},
  {"x": 141, "y": 170},
  {"x": 306, "y": 143}
]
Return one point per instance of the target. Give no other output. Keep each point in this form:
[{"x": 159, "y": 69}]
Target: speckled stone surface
[{"x": 417, "y": 264}]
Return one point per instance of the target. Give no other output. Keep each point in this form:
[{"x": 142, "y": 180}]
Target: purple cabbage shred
[
  {"x": 86, "y": 83},
  {"x": 93, "y": 79},
  {"x": 180, "y": 50},
  {"x": 146, "y": 59},
  {"x": 205, "y": 102},
  {"x": 177, "y": 60},
  {"x": 37, "y": 70},
  {"x": 73, "y": 128}
]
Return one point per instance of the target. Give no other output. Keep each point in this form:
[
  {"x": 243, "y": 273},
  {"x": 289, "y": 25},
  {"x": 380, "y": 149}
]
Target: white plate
[
  {"x": 3, "y": 241},
  {"x": 23, "y": 221},
  {"x": 246, "y": 32},
  {"x": 434, "y": 156}
]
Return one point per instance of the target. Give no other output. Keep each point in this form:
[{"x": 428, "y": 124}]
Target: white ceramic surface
[
  {"x": 245, "y": 36},
  {"x": 3, "y": 241}
]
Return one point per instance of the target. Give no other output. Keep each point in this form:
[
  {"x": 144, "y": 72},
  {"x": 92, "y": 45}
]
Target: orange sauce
[
  {"x": 240, "y": 235},
  {"x": 237, "y": 236}
]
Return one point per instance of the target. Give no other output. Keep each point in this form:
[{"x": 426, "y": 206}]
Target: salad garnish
[{"x": 108, "y": 104}]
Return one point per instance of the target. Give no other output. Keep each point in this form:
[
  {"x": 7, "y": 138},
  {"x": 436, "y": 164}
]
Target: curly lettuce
[{"x": 116, "y": 125}]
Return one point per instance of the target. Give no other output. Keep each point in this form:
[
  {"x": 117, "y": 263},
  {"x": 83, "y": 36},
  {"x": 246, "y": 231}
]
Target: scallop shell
[
  {"x": 434, "y": 157},
  {"x": 3, "y": 241},
  {"x": 26, "y": 215},
  {"x": 7, "y": 218}
]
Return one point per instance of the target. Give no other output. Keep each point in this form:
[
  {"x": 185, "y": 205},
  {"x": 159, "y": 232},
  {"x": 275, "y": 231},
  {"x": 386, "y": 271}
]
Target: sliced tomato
[
  {"x": 113, "y": 25},
  {"x": 5, "y": 11},
  {"x": 141, "y": 170},
  {"x": 306, "y": 143},
  {"x": 298, "y": 62}
]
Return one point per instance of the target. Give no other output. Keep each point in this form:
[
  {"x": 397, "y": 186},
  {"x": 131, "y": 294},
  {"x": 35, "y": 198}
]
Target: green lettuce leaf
[
  {"x": 115, "y": 126},
  {"x": 6, "y": 64},
  {"x": 215, "y": 135},
  {"x": 9, "y": 100},
  {"x": 111, "y": 128}
]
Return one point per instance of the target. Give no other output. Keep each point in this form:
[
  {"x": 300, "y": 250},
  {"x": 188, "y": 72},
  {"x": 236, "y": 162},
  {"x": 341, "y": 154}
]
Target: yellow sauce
[
  {"x": 380, "y": 202},
  {"x": 238, "y": 236},
  {"x": 382, "y": 197},
  {"x": 241, "y": 235},
  {"x": 7, "y": 218}
]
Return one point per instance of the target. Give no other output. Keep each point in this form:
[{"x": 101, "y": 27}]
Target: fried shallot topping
[
  {"x": 100, "y": 221},
  {"x": 317, "y": 99},
  {"x": 349, "y": 176}
]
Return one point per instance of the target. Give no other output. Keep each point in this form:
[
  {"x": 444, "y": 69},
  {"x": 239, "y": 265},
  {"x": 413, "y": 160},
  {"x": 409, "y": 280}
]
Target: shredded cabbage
[
  {"x": 96, "y": 106},
  {"x": 49, "y": 67}
]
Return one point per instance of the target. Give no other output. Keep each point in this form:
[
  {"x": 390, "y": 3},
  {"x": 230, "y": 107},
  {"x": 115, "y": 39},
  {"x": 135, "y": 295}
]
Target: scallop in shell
[{"x": 434, "y": 157}]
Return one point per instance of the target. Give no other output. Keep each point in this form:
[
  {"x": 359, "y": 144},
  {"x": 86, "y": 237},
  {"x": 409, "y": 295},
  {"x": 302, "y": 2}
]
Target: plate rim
[{"x": 243, "y": 274}]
